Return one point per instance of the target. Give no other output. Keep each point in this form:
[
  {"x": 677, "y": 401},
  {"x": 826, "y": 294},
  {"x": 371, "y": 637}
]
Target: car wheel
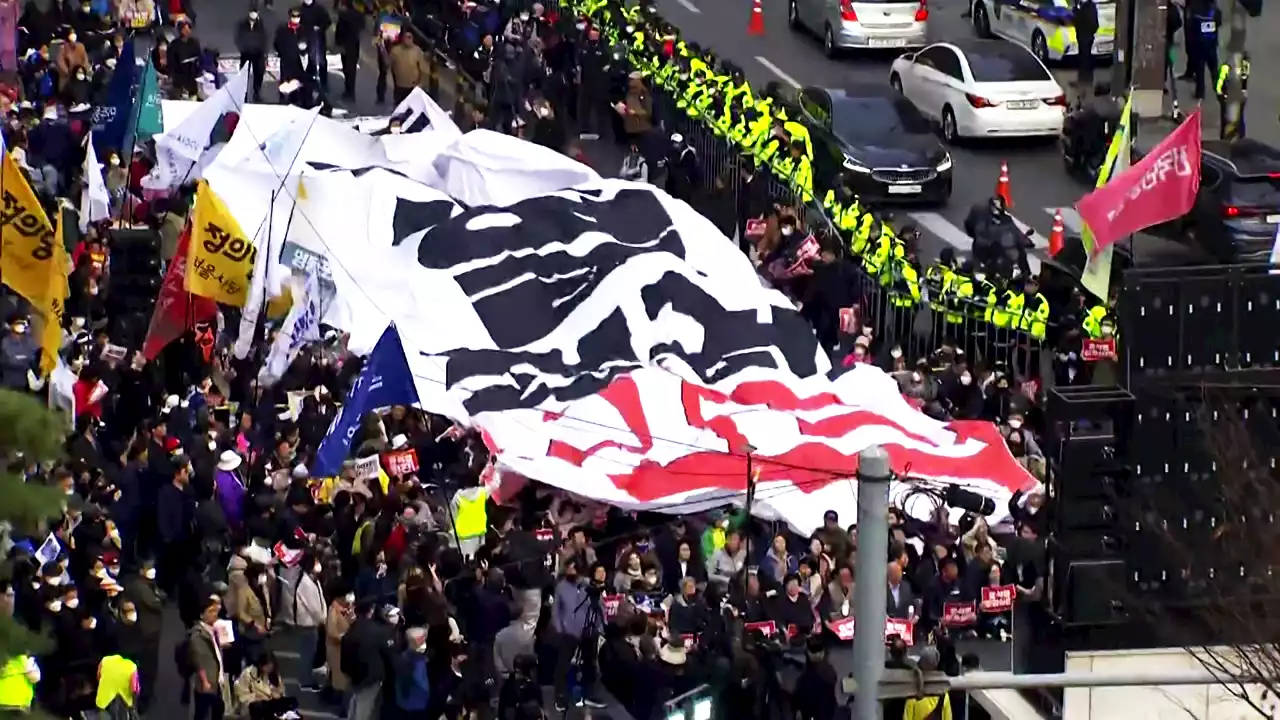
[
  {"x": 793, "y": 15},
  {"x": 950, "y": 132},
  {"x": 895, "y": 82},
  {"x": 981, "y": 22},
  {"x": 1040, "y": 47},
  {"x": 829, "y": 43}
]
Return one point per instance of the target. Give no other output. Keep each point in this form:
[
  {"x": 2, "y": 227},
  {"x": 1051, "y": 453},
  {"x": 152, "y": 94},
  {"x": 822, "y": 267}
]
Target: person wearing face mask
[
  {"x": 315, "y": 23},
  {"x": 75, "y": 93},
  {"x": 71, "y": 57},
  {"x": 251, "y": 43},
  {"x": 17, "y": 354},
  {"x": 412, "y": 684},
  {"x": 310, "y": 609},
  {"x": 185, "y": 57}
]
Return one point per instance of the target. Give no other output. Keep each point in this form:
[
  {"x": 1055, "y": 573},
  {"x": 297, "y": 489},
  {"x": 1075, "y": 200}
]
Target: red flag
[
  {"x": 1160, "y": 187},
  {"x": 176, "y": 309}
]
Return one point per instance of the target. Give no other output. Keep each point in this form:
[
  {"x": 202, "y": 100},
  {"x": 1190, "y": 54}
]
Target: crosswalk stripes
[{"x": 949, "y": 233}]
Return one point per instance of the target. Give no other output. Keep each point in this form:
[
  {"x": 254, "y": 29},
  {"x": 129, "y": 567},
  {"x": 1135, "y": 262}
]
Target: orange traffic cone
[
  {"x": 1057, "y": 236},
  {"x": 1002, "y": 185},
  {"x": 756, "y": 26}
]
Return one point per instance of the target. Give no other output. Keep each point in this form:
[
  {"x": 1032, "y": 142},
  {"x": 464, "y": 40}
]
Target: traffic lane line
[
  {"x": 779, "y": 72},
  {"x": 687, "y": 5}
]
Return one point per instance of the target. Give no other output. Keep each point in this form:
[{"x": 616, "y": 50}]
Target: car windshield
[
  {"x": 878, "y": 117},
  {"x": 1261, "y": 192},
  {"x": 1012, "y": 65}
]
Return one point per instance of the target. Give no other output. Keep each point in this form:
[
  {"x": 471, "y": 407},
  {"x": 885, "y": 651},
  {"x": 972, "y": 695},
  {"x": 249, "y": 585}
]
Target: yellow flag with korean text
[
  {"x": 27, "y": 243},
  {"x": 33, "y": 260},
  {"x": 51, "y": 312},
  {"x": 220, "y": 264}
]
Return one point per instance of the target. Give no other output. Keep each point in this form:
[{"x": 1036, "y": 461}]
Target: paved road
[
  {"x": 215, "y": 27},
  {"x": 1039, "y": 185}
]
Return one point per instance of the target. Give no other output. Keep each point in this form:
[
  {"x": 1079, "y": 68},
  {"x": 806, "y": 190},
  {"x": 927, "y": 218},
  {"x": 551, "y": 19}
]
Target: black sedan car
[{"x": 873, "y": 135}]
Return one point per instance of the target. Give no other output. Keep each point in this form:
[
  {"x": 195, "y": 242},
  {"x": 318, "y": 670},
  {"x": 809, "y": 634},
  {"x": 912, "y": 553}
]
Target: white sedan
[{"x": 981, "y": 88}]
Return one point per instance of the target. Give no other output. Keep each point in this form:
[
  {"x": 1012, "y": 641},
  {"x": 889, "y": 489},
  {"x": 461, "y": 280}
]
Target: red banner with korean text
[
  {"x": 959, "y": 614},
  {"x": 905, "y": 629},
  {"x": 1093, "y": 350},
  {"x": 176, "y": 309},
  {"x": 399, "y": 463},
  {"x": 1160, "y": 187},
  {"x": 997, "y": 599}
]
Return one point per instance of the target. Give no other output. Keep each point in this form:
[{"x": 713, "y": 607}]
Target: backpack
[
  {"x": 349, "y": 660},
  {"x": 182, "y": 658}
]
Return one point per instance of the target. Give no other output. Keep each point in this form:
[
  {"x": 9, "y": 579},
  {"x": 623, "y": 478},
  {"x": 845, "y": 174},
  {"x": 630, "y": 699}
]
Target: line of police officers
[{"x": 761, "y": 130}]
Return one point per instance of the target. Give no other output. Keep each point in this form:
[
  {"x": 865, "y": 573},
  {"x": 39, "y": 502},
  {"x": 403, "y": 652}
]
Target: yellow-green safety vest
[
  {"x": 16, "y": 689},
  {"x": 470, "y": 517},
  {"x": 116, "y": 676}
]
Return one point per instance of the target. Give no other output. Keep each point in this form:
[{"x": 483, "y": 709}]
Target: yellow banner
[
  {"x": 33, "y": 260},
  {"x": 55, "y": 305},
  {"x": 220, "y": 264},
  {"x": 28, "y": 243}
]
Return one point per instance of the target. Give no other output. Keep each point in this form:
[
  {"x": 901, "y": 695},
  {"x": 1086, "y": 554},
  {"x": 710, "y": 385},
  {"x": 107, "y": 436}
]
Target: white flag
[
  {"x": 280, "y": 153},
  {"x": 301, "y": 326},
  {"x": 184, "y": 151},
  {"x": 95, "y": 201}
]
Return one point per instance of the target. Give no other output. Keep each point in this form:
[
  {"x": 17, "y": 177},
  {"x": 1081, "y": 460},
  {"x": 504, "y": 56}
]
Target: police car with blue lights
[{"x": 1045, "y": 26}]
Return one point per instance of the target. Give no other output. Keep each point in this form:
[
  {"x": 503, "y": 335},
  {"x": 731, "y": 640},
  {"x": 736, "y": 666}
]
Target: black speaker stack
[{"x": 135, "y": 281}]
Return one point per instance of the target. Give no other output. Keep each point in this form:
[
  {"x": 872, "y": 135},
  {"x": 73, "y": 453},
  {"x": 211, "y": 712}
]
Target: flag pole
[{"x": 132, "y": 131}]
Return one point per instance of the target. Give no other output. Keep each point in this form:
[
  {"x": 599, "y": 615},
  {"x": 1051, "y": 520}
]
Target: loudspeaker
[{"x": 1094, "y": 592}]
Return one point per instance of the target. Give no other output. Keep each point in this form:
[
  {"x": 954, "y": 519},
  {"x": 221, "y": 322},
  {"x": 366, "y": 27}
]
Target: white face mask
[
  {"x": 1015, "y": 423},
  {"x": 895, "y": 353},
  {"x": 253, "y": 16},
  {"x": 915, "y": 377},
  {"x": 73, "y": 603},
  {"x": 55, "y": 606},
  {"x": 786, "y": 232},
  {"x": 149, "y": 573},
  {"x": 115, "y": 161},
  {"x": 71, "y": 38},
  {"x": 93, "y": 623},
  {"x": 316, "y": 569},
  {"x": 966, "y": 379},
  {"x": 262, "y": 579},
  {"x": 524, "y": 17},
  {"x": 302, "y": 47},
  {"x": 55, "y": 581},
  {"x": 131, "y": 617},
  {"x": 350, "y": 598},
  {"x": 111, "y": 63},
  {"x": 420, "y": 649},
  {"x": 20, "y": 329},
  {"x": 396, "y": 129}
]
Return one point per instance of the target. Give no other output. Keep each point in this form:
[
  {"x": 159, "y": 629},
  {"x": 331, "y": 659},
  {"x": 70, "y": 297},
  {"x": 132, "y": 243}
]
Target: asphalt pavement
[
  {"x": 215, "y": 27},
  {"x": 1038, "y": 182}
]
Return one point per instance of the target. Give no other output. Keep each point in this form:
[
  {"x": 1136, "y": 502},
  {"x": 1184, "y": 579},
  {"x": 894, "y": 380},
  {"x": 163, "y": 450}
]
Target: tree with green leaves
[{"x": 31, "y": 438}]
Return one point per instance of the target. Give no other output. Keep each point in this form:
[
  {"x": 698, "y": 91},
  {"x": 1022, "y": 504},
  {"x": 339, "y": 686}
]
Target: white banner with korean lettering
[
  {"x": 183, "y": 152},
  {"x": 301, "y": 326}
]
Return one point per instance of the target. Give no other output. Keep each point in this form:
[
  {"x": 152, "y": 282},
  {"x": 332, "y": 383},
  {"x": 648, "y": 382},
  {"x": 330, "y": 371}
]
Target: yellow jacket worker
[{"x": 929, "y": 707}]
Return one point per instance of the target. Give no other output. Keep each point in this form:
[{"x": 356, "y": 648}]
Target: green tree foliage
[{"x": 31, "y": 435}]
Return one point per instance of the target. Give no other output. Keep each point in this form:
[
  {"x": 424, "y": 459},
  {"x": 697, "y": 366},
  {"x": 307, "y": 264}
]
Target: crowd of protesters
[{"x": 189, "y": 490}]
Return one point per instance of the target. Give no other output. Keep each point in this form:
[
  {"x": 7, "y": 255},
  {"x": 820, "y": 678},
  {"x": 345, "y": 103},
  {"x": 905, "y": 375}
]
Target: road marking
[
  {"x": 287, "y": 654},
  {"x": 944, "y": 229},
  {"x": 777, "y": 71},
  {"x": 689, "y": 6}
]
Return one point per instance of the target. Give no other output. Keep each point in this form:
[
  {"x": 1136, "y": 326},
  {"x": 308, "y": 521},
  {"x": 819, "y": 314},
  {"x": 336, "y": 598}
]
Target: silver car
[{"x": 862, "y": 24}]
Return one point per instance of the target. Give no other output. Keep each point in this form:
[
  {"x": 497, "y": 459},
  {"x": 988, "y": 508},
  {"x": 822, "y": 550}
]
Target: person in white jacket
[{"x": 310, "y": 610}]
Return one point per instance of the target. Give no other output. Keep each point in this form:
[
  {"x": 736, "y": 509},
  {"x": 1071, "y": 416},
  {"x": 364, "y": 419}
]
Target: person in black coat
[
  {"x": 185, "y": 61},
  {"x": 251, "y": 43},
  {"x": 315, "y": 23},
  {"x": 293, "y": 46},
  {"x": 175, "y": 516},
  {"x": 346, "y": 35}
]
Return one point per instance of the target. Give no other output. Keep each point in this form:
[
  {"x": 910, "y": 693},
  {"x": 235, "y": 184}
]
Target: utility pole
[
  {"x": 872, "y": 584},
  {"x": 1238, "y": 21},
  {"x": 1139, "y": 56}
]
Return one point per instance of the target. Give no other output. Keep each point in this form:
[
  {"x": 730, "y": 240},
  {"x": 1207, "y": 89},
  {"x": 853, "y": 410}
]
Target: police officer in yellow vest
[
  {"x": 470, "y": 520},
  {"x": 1035, "y": 310},
  {"x": 1220, "y": 89},
  {"x": 937, "y": 277},
  {"x": 18, "y": 680},
  {"x": 117, "y": 684}
]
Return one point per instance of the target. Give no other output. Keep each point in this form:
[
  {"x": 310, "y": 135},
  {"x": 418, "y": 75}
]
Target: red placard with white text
[
  {"x": 768, "y": 627},
  {"x": 610, "y": 605},
  {"x": 1093, "y": 350},
  {"x": 400, "y": 462},
  {"x": 959, "y": 614},
  {"x": 905, "y": 629},
  {"x": 997, "y": 598}
]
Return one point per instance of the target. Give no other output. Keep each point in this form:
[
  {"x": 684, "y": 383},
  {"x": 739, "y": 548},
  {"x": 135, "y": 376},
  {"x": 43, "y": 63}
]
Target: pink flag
[{"x": 1160, "y": 187}]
